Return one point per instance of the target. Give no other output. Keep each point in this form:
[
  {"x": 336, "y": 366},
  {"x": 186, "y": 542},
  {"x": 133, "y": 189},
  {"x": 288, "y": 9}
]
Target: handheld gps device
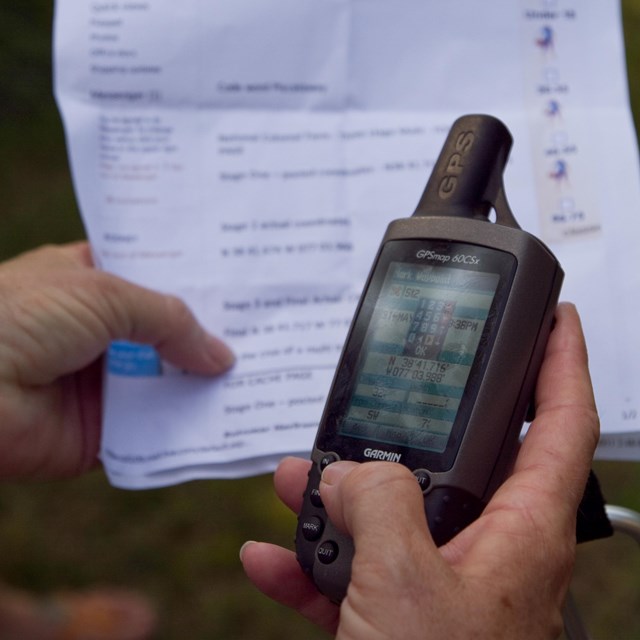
[{"x": 439, "y": 367}]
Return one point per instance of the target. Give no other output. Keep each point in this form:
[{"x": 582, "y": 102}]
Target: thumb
[
  {"x": 380, "y": 505},
  {"x": 166, "y": 323},
  {"x": 58, "y": 314},
  {"x": 143, "y": 315},
  {"x": 139, "y": 314}
]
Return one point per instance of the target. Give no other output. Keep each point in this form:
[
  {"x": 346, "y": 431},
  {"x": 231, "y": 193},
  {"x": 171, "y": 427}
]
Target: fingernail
[
  {"x": 336, "y": 471},
  {"x": 247, "y": 544}
]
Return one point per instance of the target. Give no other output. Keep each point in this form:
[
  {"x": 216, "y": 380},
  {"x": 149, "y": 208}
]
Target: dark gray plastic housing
[{"x": 452, "y": 215}]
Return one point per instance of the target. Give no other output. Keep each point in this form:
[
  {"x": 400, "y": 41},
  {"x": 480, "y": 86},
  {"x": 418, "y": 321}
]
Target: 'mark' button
[{"x": 312, "y": 528}]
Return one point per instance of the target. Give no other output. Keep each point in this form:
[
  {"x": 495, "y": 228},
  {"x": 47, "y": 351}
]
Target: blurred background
[{"x": 180, "y": 545}]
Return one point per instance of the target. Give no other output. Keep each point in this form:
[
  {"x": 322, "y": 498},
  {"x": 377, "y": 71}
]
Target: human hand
[
  {"x": 57, "y": 316},
  {"x": 504, "y": 576}
]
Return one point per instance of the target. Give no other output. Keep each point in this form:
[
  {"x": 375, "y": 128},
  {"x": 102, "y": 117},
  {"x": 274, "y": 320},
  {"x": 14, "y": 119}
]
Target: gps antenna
[{"x": 466, "y": 180}]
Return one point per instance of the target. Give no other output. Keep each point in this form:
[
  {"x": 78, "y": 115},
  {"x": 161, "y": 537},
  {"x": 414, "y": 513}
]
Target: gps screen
[{"x": 417, "y": 354}]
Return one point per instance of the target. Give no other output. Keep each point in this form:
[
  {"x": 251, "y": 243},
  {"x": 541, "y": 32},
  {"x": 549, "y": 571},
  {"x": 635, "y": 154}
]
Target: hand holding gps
[{"x": 443, "y": 353}]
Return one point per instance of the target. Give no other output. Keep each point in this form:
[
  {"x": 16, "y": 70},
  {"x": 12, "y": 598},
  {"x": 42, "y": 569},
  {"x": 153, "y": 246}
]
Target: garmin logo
[{"x": 379, "y": 454}]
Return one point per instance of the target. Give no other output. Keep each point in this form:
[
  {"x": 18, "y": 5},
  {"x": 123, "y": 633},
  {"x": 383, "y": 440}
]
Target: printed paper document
[{"x": 248, "y": 155}]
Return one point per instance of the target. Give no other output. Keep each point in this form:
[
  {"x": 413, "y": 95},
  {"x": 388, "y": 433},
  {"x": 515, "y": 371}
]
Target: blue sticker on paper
[{"x": 131, "y": 359}]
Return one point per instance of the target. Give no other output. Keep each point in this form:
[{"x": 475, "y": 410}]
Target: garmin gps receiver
[{"x": 439, "y": 367}]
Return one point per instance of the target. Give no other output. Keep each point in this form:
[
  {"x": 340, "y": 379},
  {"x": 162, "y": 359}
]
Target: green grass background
[{"x": 180, "y": 545}]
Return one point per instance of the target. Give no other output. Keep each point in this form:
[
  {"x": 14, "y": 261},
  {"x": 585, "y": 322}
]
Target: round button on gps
[
  {"x": 327, "y": 552},
  {"x": 423, "y": 478},
  {"x": 312, "y": 528},
  {"x": 327, "y": 459},
  {"x": 315, "y": 499}
]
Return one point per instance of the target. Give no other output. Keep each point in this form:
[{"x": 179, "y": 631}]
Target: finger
[
  {"x": 79, "y": 252},
  {"x": 564, "y": 378},
  {"x": 539, "y": 501},
  {"x": 379, "y": 504},
  {"x": 290, "y": 481},
  {"x": 60, "y": 302},
  {"x": 165, "y": 322},
  {"x": 187, "y": 345},
  {"x": 530, "y": 522},
  {"x": 561, "y": 441},
  {"x": 276, "y": 573},
  {"x": 350, "y": 492}
]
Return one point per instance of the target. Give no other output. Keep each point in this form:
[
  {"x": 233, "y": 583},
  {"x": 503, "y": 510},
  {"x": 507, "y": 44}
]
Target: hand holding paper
[{"x": 57, "y": 317}]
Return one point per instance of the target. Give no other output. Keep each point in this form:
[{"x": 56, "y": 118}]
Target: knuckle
[{"x": 375, "y": 476}]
